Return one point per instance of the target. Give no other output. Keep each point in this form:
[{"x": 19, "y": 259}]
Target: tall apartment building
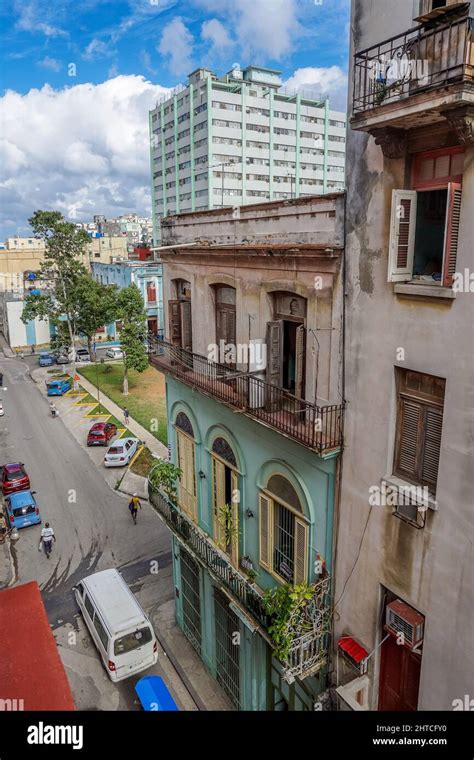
[
  {"x": 257, "y": 434},
  {"x": 240, "y": 139},
  {"x": 404, "y": 592}
]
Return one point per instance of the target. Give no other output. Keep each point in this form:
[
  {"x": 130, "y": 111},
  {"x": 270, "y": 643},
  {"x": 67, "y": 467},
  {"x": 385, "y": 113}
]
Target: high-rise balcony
[
  {"x": 317, "y": 427},
  {"x": 308, "y": 630},
  {"x": 419, "y": 77}
]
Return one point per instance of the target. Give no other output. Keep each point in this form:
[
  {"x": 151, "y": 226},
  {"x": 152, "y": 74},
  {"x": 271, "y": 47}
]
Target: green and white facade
[{"x": 241, "y": 139}]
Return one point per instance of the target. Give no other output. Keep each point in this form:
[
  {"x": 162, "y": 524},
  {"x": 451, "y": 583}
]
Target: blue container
[{"x": 154, "y": 695}]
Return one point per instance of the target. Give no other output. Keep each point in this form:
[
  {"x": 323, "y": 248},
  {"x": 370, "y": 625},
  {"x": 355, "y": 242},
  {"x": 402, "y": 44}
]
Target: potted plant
[{"x": 227, "y": 523}]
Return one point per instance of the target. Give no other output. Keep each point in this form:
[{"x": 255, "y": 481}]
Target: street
[{"x": 93, "y": 531}]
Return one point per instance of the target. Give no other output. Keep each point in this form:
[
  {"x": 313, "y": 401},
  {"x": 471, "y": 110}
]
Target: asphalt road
[{"x": 92, "y": 526}]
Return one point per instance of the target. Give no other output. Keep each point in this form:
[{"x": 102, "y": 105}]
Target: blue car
[
  {"x": 45, "y": 359},
  {"x": 22, "y": 509},
  {"x": 58, "y": 387}
]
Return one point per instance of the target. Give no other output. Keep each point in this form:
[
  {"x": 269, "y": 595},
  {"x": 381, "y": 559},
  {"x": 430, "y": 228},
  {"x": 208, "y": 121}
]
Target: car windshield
[
  {"x": 20, "y": 511},
  {"x": 133, "y": 640},
  {"x": 116, "y": 450},
  {"x": 96, "y": 432},
  {"x": 14, "y": 475}
]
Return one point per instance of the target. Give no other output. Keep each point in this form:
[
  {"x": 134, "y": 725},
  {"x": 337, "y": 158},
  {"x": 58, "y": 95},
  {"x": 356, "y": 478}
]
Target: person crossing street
[
  {"x": 47, "y": 538},
  {"x": 134, "y": 506}
]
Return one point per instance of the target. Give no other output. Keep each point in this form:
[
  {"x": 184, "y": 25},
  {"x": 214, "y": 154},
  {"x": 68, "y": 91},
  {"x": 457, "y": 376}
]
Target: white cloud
[
  {"x": 264, "y": 28},
  {"x": 98, "y": 49},
  {"x": 50, "y": 63},
  {"x": 83, "y": 150},
  {"x": 328, "y": 82},
  {"x": 177, "y": 44},
  {"x": 214, "y": 32},
  {"x": 31, "y": 18}
]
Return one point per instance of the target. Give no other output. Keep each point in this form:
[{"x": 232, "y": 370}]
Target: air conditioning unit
[{"x": 401, "y": 618}]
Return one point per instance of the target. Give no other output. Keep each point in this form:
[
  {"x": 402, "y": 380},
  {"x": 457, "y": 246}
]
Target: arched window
[
  {"x": 223, "y": 449},
  {"x": 284, "y": 533},
  {"x": 186, "y": 461}
]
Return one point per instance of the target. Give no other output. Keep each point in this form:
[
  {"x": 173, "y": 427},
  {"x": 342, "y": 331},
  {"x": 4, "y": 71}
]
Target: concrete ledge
[{"x": 425, "y": 291}]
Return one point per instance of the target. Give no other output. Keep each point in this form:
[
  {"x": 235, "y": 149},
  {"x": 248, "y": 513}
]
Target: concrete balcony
[
  {"x": 420, "y": 77},
  {"x": 317, "y": 427},
  {"x": 309, "y": 629}
]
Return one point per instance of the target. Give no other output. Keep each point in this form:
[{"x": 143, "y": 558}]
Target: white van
[{"x": 121, "y": 631}]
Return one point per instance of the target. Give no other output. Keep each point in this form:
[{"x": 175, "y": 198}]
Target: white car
[
  {"x": 121, "y": 452},
  {"x": 114, "y": 353}
]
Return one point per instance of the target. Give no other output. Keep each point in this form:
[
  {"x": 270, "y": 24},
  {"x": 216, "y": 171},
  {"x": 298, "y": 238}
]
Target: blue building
[
  {"x": 252, "y": 360},
  {"x": 147, "y": 276}
]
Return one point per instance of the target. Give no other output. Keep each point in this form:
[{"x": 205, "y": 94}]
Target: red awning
[
  {"x": 353, "y": 649},
  {"x": 31, "y": 669}
]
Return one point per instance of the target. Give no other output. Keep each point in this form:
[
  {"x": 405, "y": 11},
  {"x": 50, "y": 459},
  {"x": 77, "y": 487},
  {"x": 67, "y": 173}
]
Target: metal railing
[
  {"x": 417, "y": 60},
  {"x": 318, "y": 427},
  {"x": 310, "y": 629}
]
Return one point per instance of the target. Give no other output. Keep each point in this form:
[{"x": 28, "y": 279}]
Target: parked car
[
  {"x": 58, "y": 387},
  {"x": 114, "y": 353},
  {"x": 101, "y": 433},
  {"x": 45, "y": 359},
  {"x": 60, "y": 357},
  {"x": 22, "y": 509},
  {"x": 82, "y": 355},
  {"x": 121, "y": 452},
  {"x": 14, "y": 478}
]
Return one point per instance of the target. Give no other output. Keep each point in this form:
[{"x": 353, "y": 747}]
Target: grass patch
[
  {"x": 146, "y": 401},
  {"x": 88, "y": 399},
  {"x": 143, "y": 464}
]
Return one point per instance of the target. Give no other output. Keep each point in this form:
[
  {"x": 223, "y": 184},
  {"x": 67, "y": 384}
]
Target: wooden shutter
[
  {"x": 186, "y": 325},
  {"x": 452, "y": 232},
  {"x": 218, "y": 499},
  {"x": 431, "y": 447},
  {"x": 265, "y": 522},
  {"x": 235, "y": 516},
  {"x": 301, "y": 551},
  {"x": 402, "y": 235},
  {"x": 174, "y": 316},
  {"x": 274, "y": 341},
  {"x": 408, "y": 437},
  {"x": 187, "y": 486},
  {"x": 300, "y": 363}
]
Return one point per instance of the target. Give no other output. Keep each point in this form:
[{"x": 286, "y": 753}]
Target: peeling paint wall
[{"x": 431, "y": 568}]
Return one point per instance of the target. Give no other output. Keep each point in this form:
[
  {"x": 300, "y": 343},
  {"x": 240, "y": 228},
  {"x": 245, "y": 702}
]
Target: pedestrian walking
[
  {"x": 1, "y": 379},
  {"x": 126, "y": 415},
  {"x": 47, "y": 538},
  {"x": 33, "y": 348},
  {"x": 134, "y": 506}
]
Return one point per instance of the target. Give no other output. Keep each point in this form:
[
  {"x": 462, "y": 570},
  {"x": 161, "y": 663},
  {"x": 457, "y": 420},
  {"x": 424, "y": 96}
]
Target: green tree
[
  {"x": 95, "y": 305},
  {"x": 132, "y": 314},
  {"x": 61, "y": 268}
]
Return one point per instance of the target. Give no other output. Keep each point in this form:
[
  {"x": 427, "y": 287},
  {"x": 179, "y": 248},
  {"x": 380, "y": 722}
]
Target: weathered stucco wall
[{"x": 431, "y": 568}]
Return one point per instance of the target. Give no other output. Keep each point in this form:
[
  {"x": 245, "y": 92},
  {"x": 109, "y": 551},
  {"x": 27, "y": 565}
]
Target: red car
[
  {"x": 101, "y": 433},
  {"x": 14, "y": 478}
]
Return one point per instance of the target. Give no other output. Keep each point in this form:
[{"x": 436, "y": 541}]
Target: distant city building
[
  {"x": 241, "y": 139},
  {"x": 135, "y": 229}
]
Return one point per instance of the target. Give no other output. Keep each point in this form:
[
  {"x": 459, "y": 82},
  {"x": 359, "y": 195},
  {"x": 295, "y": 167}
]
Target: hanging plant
[
  {"x": 227, "y": 523},
  {"x": 285, "y": 605}
]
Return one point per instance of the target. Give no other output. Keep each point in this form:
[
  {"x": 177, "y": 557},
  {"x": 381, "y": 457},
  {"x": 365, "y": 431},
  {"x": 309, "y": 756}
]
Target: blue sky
[{"x": 74, "y": 71}]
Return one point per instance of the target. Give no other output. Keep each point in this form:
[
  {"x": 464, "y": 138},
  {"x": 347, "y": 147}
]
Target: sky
[{"x": 79, "y": 76}]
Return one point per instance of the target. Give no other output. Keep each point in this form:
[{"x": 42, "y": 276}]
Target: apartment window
[
  {"x": 256, "y": 193},
  {"x": 284, "y": 131},
  {"x": 312, "y": 119},
  {"x": 258, "y": 128},
  {"x": 228, "y": 124},
  {"x": 226, "y": 141},
  {"x": 157, "y": 174},
  {"x": 182, "y": 118},
  {"x": 202, "y": 175},
  {"x": 179, "y": 313},
  {"x": 335, "y": 153},
  {"x": 185, "y": 133},
  {"x": 334, "y": 138},
  {"x": 284, "y": 148},
  {"x": 225, "y": 315},
  {"x": 199, "y": 109},
  {"x": 186, "y": 459},
  {"x": 185, "y": 197},
  {"x": 180, "y": 102},
  {"x": 227, "y": 106},
  {"x": 198, "y": 127},
  {"x": 224, "y": 486},
  {"x": 256, "y": 144},
  {"x": 339, "y": 124},
  {"x": 202, "y": 193},
  {"x": 260, "y": 111},
  {"x": 289, "y": 164},
  {"x": 200, "y": 143},
  {"x": 258, "y": 161},
  {"x": 169, "y": 185},
  {"x": 258, "y": 177},
  {"x": 335, "y": 168},
  {"x": 312, "y": 152},
  {"x": 169, "y": 155},
  {"x": 283, "y": 531},
  {"x": 285, "y": 115},
  {"x": 151, "y": 292},
  {"x": 185, "y": 165},
  {"x": 200, "y": 160},
  {"x": 420, "y": 403},
  {"x": 218, "y": 191},
  {"x": 310, "y": 135},
  {"x": 184, "y": 181},
  {"x": 169, "y": 140},
  {"x": 425, "y": 220}
]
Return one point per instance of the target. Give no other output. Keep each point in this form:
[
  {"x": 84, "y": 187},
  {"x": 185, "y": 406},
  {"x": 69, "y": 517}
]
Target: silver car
[{"x": 121, "y": 452}]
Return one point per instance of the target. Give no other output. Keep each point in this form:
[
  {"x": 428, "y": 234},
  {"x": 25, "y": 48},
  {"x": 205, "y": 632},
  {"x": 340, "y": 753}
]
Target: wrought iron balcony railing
[
  {"x": 418, "y": 60},
  {"x": 309, "y": 630},
  {"x": 318, "y": 427}
]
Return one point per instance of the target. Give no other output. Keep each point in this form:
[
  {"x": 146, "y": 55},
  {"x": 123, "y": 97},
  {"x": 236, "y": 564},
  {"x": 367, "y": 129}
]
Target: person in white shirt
[{"x": 47, "y": 538}]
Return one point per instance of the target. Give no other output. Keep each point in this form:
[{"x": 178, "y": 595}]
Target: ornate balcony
[
  {"x": 421, "y": 76},
  {"x": 317, "y": 427},
  {"x": 309, "y": 630}
]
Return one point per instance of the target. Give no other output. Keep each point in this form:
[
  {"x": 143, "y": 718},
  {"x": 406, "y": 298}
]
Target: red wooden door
[{"x": 399, "y": 677}]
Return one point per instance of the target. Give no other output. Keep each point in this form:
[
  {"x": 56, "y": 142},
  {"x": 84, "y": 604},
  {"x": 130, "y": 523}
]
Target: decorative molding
[
  {"x": 392, "y": 140},
  {"x": 461, "y": 121}
]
